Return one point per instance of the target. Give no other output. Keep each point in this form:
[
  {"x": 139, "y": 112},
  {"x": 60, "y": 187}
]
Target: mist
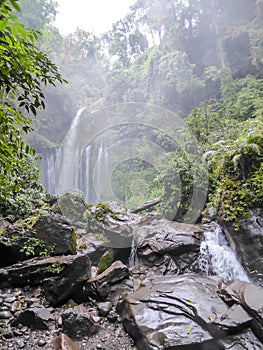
[{"x": 179, "y": 56}]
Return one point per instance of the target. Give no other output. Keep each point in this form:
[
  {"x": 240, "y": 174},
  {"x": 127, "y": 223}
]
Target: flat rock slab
[
  {"x": 60, "y": 275},
  {"x": 181, "y": 312}
]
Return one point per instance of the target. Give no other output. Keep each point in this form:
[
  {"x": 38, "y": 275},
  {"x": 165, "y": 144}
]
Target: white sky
[{"x": 92, "y": 15}]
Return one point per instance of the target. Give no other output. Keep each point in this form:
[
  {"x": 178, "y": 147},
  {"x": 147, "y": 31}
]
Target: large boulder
[
  {"x": 186, "y": 312},
  {"x": 12, "y": 242},
  {"x": 100, "y": 286},
  {"x": 39, "y": 235},
  {"x": 55, "y": 231},
  {"x": 60, "y": 276},
  {"x": 159, "y": 239},
  {"x": 247, "y": 241},
  {"x": 114, "y": 221}
]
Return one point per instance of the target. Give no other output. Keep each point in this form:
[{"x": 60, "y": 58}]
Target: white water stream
[{"x": 217, "y": 257}]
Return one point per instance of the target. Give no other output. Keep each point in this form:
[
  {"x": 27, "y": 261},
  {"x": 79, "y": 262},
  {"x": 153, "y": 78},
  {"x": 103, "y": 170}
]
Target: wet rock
[
  {"x": 250, "y": 298},
  {"x": 55, "y": 231},
  {"x": 50, "y": 232},
  {"x": 69, "y": 273},
  {"x": 159, "y": 239},
  {"x": 63, "y": 342},
  {"x": 41, "y": 342},
  {"x": 182, "y": 311},
  {"x": 116, "y": 222},
  {"x": 104, "y": 308},
  {"x": 247, "y": 241},
  {"x": 100, "y": 285},
  {"x": 78, "y": 323},
  {"x": 5, "y": 315},
  {"x": 35, "y": 318},
  {"x": 12, "y": 243},
  {"x": 93, "y": 247},
  {"x": 72, "y": 206},
  {"x": 59, "y": 289}
]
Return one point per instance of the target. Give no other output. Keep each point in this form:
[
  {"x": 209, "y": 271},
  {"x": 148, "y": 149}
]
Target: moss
[
  {"x": 74, "y": 241},
  {"x": 55, "y": 268},
  {"x": 105, "y": 261}
]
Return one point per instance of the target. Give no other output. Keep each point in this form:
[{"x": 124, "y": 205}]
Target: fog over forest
[{"x": 197, "y": 63}]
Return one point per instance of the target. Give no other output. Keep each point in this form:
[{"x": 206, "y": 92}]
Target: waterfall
[
  {"x": 67, "y": 163},
  {"x": 132, "y": 256},
  {"x": 82, "y": 166},
  {"x": 47, "y": 167},
  {"x": 101, "y": 170},
  {"x": 217, "y": 257},
  {"x": 50, "y": 172},
  {"x": 87, "y": 171}
]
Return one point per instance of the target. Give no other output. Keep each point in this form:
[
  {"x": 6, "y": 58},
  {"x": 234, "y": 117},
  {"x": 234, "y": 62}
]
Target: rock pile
[{"x": 68, "y": 301}]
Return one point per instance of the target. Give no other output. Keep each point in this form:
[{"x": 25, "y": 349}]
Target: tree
[{"x": 24, "y": 69}]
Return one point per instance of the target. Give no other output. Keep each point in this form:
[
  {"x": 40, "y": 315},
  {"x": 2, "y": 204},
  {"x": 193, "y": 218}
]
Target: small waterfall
[
  {"x": 87, "y": 171},
  {"x": 47, "y": 167},
  {"x": 101, "y": 171},
  {"x": 217, "y": 258},
  {"x": 132, "y": 256}
]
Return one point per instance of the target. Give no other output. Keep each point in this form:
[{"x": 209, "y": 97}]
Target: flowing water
[
  {"x": 217, "y": 257},
  {"x": 48, "y": 171},
  {"x": 73, "y": 168}
]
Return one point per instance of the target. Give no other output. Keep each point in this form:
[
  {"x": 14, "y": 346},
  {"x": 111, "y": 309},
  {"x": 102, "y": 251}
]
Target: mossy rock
[
  {"x": 72, "y": 206},
  {"x": 105, "y": 261}
]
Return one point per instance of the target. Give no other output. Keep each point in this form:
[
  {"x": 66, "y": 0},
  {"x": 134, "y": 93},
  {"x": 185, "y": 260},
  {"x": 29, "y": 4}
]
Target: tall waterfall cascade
[
  {"x": 217, "y": 257},
  {"x": 76, "y": 165}
]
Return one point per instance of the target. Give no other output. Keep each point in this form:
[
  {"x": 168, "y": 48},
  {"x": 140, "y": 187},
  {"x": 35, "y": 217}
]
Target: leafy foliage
[{"x": 23, "y": 71}]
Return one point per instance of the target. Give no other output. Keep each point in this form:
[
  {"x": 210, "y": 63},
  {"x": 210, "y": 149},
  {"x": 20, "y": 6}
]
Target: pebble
[
  {"x": 21, "y": 344},
  {"x": 5, "y": 315},
  {"x": 16, "y": 306},
  {"x": 104, "y": 308},
  {"x": 112, "y": 316},
  {"x": 10, "y": 300},
  {"x": 41, "y": 342}
]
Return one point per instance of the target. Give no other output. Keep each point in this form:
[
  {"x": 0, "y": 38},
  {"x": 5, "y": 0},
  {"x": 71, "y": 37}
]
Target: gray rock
[
  {"x": 35, "y": 318},
  {"x": 104, "y": 308},
  {"x": 59, "y": 289},
  {"x": 182, "y": 312},
  {"x": 250, "y": 297},
  {"x": 12, "y": 243},
  {"x": 61, "y": 275},
  {"x": 78, "y": 323},
  {"x": 99, "y": 286},
  {"x": 159, "y": 239},
  {"x": 5, "y": 315},
  {"x": 50, "y": 232},
  {"x": 55, "y": 231},
  {"x": 4, "y": 224}
]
